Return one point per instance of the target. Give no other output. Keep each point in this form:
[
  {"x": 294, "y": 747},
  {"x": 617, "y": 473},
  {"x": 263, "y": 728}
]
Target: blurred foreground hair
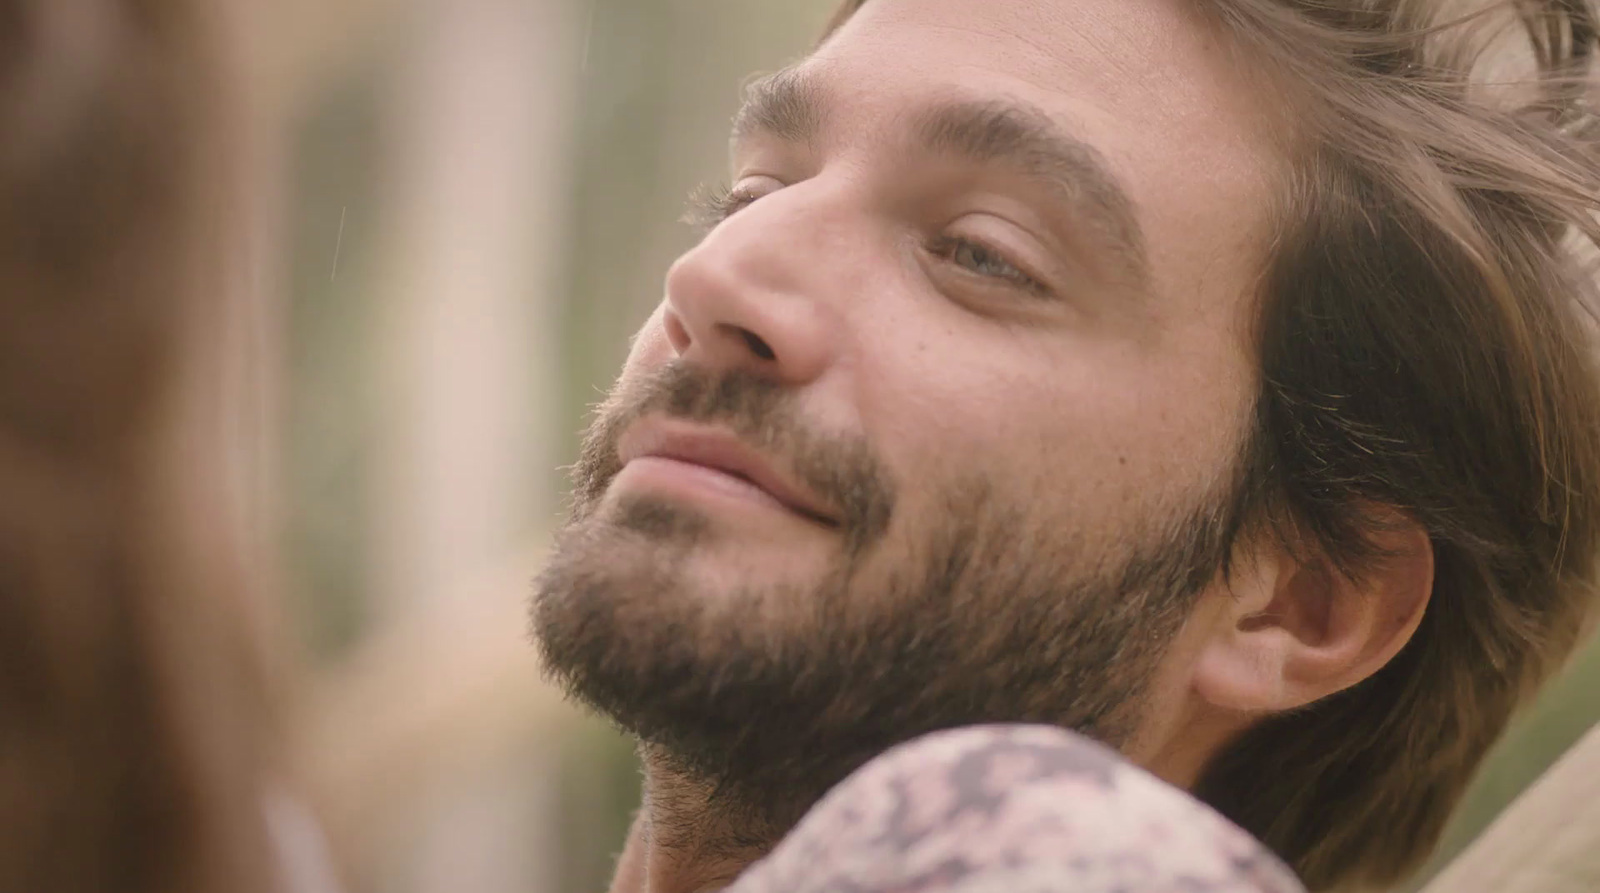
[
  {"x": 133, "y": 715},
  {"x": 1425, "y": 341}
]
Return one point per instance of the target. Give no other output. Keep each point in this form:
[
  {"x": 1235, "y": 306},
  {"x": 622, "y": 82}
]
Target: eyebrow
[
  {"x": 791, "y": 106},
  {"x": 786, "y": 104}
]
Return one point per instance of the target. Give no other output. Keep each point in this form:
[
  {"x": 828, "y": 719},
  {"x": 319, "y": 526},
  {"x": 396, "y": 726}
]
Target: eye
[
  {"x": 709, "y": 205},
  {"x": 983, "y": 261}
]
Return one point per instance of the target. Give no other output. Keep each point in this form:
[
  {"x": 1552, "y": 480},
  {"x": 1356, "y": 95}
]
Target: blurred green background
[{"x": 481, "y": 198}]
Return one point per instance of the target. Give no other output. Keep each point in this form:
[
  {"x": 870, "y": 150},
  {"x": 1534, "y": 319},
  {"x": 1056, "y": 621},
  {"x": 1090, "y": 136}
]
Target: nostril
[
  {"x": 757, "y": 346},
  {"x": 677, "y": 332}
]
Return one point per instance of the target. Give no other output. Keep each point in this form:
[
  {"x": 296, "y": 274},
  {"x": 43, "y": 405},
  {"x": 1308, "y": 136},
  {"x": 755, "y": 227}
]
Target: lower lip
[{"x": 694, "y": 481}]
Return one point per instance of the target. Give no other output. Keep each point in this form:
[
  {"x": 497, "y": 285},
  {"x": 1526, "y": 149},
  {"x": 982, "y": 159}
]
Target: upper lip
[{"x": 719, "y": 450}]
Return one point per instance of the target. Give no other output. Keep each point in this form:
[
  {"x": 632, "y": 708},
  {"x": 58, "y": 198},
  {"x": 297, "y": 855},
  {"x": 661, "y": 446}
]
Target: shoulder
[{"x": 1015, "y": 808}]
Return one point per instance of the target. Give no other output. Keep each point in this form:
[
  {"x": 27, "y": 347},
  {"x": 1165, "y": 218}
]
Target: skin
[{"x": 1099, "y": 401}]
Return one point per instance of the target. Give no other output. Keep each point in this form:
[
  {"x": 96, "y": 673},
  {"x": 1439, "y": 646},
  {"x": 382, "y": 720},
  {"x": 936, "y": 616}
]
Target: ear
[{"x": 1294, "y": 631}]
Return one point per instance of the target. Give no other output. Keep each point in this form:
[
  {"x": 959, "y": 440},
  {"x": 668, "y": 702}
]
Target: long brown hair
[
  {"x": 133, "y": 715},
  {"x": 1425, "y": 344}
]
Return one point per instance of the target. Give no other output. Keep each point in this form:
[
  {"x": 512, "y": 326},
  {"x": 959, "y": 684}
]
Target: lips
[{"x": 719, "y": 451}]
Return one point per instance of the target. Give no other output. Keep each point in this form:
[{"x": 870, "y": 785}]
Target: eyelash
[
  {"x": 948, "y": 247},
  {"x": 711, "y": 204}
]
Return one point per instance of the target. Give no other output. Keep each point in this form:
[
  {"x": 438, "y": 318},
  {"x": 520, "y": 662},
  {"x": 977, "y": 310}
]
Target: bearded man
[{"x": 1209, "y": 379}]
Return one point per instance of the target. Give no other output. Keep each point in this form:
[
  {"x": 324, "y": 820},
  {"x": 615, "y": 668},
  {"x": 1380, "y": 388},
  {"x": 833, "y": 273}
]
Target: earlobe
[{"x": 1300, "y": 630}]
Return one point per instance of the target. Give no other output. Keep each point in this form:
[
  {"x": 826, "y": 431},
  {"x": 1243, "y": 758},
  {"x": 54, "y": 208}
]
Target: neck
[{"x": 685, "y": 840}]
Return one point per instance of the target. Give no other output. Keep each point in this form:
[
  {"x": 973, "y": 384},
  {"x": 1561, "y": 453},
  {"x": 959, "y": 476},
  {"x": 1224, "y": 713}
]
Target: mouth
[{"x": 714, "y": 458}]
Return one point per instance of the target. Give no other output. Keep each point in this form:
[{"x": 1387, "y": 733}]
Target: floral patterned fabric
[{"x": 1013, "y": 809}]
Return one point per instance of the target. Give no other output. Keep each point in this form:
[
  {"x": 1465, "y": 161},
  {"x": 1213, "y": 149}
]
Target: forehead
[{"x": 1151, "y": 85}]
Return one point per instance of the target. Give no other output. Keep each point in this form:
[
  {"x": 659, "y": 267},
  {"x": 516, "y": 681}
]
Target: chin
[{"x": 640, "y": 567}]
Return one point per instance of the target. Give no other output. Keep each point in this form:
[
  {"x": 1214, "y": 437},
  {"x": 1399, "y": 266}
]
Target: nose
[{"x": 752, "y": 296}]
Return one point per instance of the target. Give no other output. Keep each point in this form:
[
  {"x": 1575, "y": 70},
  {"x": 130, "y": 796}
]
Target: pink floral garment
[{"x": 1013, "y": 809}]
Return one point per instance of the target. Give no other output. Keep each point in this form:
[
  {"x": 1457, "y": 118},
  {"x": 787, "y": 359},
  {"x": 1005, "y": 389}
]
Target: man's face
[{"x": 941, "y": 423}]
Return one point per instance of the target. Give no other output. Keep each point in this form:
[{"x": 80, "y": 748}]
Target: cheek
[
  {"x": 1098, "y": 433},
  {"x": 651, "y": 349}
]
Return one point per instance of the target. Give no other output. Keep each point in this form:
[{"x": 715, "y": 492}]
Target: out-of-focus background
[
  {"x": 472, "y": 203},
  {"x": 476, "y": 202}
]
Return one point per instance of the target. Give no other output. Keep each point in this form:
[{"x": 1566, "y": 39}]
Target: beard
[{"x": 772, "y": 693}]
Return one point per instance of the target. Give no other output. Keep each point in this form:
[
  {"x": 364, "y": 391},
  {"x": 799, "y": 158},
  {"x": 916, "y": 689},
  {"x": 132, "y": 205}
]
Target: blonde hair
[{"x": 1424, "y": 342}]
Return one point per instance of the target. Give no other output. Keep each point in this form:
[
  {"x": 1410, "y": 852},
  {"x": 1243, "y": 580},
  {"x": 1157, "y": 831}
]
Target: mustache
[{"x": 841, "y": 470}]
